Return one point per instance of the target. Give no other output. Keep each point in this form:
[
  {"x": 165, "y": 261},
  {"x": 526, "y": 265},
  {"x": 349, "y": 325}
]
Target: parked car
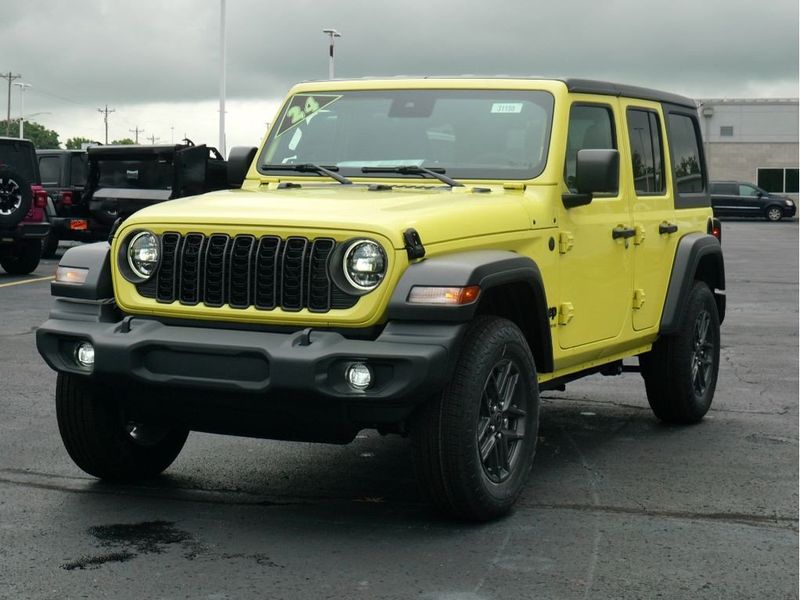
[
  {"x": 64, "y": 174},
  {"x": 22, "y": 207},
  {"x": 421, "y": 257},
  {"x": 89, "y": 190},
  {"x": 742, "y": 199}
]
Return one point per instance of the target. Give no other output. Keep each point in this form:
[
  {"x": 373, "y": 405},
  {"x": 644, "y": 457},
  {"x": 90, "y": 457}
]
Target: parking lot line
[{"x": 2, "y": 285}]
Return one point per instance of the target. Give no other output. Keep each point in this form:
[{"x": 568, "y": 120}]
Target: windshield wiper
[
  {"x": 310, "y": 168},
  {"x": 415, "y": 170}
]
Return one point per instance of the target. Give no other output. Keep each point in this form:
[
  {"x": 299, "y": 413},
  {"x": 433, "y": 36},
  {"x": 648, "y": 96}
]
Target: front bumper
[
  {"x": 789, "y": 211},
  {"x": 275, "y": 370}
]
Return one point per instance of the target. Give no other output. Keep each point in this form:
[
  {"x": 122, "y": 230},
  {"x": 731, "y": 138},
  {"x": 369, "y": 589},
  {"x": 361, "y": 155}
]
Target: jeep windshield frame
[{"x": 473, "y": 134}]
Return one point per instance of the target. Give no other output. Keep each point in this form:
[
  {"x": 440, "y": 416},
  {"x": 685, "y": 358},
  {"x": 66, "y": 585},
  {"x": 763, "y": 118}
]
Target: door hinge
[
  {"x": 565, "y": 313},
  {"x": 638, "y": 237},
  {"x": 565, "y": 242},
  {"x": 638, "y": 299},
  {"x": 552, "y": 312}
]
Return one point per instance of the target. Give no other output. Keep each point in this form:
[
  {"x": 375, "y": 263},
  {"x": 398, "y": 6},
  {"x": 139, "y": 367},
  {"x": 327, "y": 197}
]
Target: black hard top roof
[
  {"x": 605, "y": 88},
  {"x": 133, "y": 149},
  {"x": 6, "y": 140}
]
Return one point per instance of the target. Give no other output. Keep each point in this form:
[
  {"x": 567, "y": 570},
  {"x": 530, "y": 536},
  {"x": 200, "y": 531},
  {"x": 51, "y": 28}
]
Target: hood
[{"x": 438, "y": 213}]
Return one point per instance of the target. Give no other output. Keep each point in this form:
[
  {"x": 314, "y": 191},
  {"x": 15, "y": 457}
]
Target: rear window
[
  {"x": 147, "y": 173},
  {"x": 21, "y": 157},
  {"x": 50, "y": 169}
]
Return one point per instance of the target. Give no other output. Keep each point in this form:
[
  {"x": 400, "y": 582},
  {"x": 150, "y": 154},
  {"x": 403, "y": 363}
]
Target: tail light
[
  {"x": 40, "y": 198},
  {"x": 715, "y": 229},
  {"x": 66, "y": 198}
]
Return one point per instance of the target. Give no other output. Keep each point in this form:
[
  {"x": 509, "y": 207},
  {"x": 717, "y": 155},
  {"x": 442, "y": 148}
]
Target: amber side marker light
[
  {"x": 71, "y": 275},
  {"x": 443, "y": 295}
]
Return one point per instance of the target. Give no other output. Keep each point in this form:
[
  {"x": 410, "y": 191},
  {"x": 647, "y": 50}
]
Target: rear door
[
  {"x": 656, "y": 230},
  {"x": 725, "y": 198}
]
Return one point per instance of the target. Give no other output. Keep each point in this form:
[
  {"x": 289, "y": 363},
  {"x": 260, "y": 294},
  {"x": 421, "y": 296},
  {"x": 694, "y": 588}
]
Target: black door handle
[
  {"x": 623, "y": 232},
  {"x": 667, "y": 228}
]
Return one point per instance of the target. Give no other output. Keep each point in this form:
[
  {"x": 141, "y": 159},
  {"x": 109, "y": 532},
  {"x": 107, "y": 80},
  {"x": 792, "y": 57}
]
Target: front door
[{"x": 596, "y": 268}]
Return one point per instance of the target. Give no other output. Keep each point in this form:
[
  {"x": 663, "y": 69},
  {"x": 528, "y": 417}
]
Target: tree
[
  {"x": 123, "y": 142},
  {"x": 40, "y": 136},
  {"x": 76, "y": 143}
]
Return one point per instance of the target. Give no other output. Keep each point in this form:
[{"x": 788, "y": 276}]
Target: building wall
[{"x": 762, "y": 133}]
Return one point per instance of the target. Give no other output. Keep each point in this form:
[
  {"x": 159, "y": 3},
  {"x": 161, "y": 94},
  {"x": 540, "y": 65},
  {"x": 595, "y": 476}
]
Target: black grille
[{"x": 243, "y": 271}]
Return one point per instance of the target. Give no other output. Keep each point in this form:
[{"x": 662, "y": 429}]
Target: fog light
[
  {"x": 84, "y": 354},
  {"x": 359, "y": 376}
]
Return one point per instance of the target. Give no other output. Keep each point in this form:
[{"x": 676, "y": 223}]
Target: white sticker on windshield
[{"x": 507, "y": 107}]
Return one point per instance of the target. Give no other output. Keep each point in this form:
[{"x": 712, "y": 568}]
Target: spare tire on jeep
[{"x": 15, "y": 196}]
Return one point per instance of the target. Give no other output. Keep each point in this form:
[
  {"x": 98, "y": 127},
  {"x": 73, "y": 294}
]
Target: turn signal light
[
  {"x": 66, "y": 198},
  {"x": 444, "y": 295},
  {"x": 71, "y": 275},
  {"x": 40, "y": 198}
]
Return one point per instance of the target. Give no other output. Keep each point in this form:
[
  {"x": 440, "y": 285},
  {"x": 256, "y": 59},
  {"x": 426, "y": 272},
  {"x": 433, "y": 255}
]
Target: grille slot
[
  {"x": 266, "y": 272},
  {"x": 165, "y": 286}
]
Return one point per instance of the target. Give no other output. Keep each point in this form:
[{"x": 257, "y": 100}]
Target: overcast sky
[{"x": 156, "y": 62}]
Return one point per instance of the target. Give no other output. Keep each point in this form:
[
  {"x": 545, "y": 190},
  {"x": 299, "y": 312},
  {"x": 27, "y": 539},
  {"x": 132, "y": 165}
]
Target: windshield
[{"x": 471, "y": 134}]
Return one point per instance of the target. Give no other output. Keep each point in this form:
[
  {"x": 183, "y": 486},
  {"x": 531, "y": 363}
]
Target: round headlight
[
  {"x": 143, "y": 253},
  {"x": 364, "y": 264}
]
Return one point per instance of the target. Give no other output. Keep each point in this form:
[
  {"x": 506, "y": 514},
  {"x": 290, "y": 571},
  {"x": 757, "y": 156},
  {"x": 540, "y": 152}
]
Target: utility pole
[
  {"x": 136, "y": 131},
  {"x": 105, "y": 112},
  {"x": 172, "y": 134},
  {"x": 153, "y": 139},
  {"x": 10, "y": 77}
]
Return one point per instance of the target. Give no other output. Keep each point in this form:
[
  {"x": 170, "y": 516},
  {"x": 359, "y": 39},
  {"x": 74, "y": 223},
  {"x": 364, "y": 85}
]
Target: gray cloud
[{"x": 96, "y": 51}]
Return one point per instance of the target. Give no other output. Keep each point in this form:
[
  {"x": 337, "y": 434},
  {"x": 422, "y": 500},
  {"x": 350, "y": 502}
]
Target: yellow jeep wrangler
[{"x": 418, "y": 256}]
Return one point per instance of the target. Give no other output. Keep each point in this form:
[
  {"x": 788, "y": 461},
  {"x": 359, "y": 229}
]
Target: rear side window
[
  {"x": 728, "y": 189},
  {"x": 50, "y": 168},
  {"x": 78, "y": 170},
  {"x": 590, "y": 126},
  {"x": 685, "y": 143},
  {"x": 646, "y": 151}
]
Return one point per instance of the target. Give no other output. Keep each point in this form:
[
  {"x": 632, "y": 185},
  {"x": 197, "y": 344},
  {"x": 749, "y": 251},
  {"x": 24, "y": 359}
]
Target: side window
[
  {"x": 78, "y": 170},
  {"x": 589, "y": 127},
  {"x": 646, "y": 151},
  {"x": 727, "y": 189},
  {"x": 685, "y": 143},
  {"x": 747, "y": 190},
  {"x": 49, "y": 169}
]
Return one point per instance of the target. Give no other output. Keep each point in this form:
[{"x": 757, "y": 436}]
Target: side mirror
[
  {"x": 239, "y": 160},
  {"x": 596, "y": 172}
]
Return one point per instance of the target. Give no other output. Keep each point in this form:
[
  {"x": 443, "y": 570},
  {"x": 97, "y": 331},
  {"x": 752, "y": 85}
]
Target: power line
[
  {"x": 11, "y": 77},
  {"x": 153, "y": 139},
  {"x": 105, "y": 112}
]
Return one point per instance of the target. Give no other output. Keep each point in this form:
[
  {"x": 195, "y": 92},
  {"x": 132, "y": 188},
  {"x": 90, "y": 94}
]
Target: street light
[
  {"x": 332, "y": 34},
  {"x": 22, "y": 87}
]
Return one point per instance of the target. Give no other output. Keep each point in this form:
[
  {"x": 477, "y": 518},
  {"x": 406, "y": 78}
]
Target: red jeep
[{"x": 22, "y": 207}]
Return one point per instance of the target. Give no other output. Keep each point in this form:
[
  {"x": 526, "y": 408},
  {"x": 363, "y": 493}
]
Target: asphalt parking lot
[{"x": 618, "y": 506}]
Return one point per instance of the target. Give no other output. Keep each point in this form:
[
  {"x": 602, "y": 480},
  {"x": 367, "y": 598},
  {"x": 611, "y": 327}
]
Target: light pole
[
  {"x": 222, "y": 77},
  {"x": 22, "y": 88},
  {"x": 332, "y": 34}
]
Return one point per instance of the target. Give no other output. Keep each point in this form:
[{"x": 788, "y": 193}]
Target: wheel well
[
  {"x": 524, "y": 304},
  {"x": 710, "y": 271}
]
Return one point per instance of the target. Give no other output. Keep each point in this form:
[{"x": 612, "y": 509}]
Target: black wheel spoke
[
  {"x": 503, "y": 453},
  {"x": 487, "y": 447}
]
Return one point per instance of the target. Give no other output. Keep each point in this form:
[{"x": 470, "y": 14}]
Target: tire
[
  {"x": 680, "y": 372},
  {"x": 450, "y": 430},
  {"x": 50, "y": 245},
  {"x": 773, "y": 213},
  {"x": 100, "y": 440},
  {"x": 15, "y": 197},
  {"x": 22, "y": 257}
]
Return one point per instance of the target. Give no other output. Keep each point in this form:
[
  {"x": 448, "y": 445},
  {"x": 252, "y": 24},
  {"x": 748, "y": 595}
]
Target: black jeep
[
  {"x": 22, "y": 207},
  {"x": 90, "y": 190}
]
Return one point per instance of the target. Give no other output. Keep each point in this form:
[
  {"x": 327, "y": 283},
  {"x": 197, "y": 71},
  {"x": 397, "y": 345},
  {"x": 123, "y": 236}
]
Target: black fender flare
[
  {"x": 488, "y": 269},
  {"x": 96, "y": 259},
  {"x": 696, "y": 254}
]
